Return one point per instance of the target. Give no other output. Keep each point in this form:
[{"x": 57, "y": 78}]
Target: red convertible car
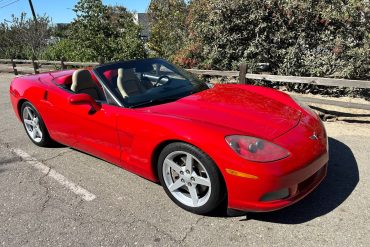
[{"x": 253, "y": 147}]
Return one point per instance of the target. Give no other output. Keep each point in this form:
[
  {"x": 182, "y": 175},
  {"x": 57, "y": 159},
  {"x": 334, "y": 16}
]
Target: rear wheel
[
  {"x": 34, "y": 125},
  {"x": 190, "y": 178}
]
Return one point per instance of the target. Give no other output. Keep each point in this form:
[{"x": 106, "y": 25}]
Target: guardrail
[
  {"x": 37, "y": 65},
  {"x": 289, "y": 79},
  {"x": 41, "y": 65}
]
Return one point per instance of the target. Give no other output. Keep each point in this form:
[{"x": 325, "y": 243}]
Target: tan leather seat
[
  {"x": 128, "y": 83},
  {"x": 82, "y": 82}
]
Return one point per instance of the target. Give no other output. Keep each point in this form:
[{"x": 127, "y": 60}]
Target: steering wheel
[{"x": 160, "y": 79}]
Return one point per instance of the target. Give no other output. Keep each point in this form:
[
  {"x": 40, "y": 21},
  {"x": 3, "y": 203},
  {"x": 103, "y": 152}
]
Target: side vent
[{"x": 46, "y": 94}]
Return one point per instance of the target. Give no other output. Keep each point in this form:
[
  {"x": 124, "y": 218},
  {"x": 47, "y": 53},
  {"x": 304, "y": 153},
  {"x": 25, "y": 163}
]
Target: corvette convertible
[{"x": 248, "y": 147}]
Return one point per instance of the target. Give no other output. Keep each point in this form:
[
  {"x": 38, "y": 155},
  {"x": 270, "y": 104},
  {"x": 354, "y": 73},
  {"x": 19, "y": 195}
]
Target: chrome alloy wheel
[
  {"x": 187, "y": 179},
  {"x": 32, "y": 124}
]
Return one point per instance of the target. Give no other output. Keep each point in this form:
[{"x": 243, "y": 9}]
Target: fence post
[
  {"x": 100, "y": 60},
  {"x": 35, "y": 65},
  {"x": 242, "y": 73},
  {"x": 62, "y": 65},
  {"x": 14, "y": 65}
]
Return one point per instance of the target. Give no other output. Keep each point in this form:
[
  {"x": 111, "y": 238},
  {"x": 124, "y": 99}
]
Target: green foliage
[
  {"x": 327, "y": 38},
  {"x": 308, "y": 38},
  {"x": 190, "y": 55},
  {"x": 168, "y": 30},
  {"x": 64, "y": 48},
  {"x": 99, "y": 31},
  {"x": 60, "y": 30},
  {"x": 22, "y": 37}
]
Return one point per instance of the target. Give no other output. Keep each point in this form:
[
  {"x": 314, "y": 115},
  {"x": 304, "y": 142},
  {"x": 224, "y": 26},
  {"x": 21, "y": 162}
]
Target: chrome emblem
[{"x": 314, "y": 136}]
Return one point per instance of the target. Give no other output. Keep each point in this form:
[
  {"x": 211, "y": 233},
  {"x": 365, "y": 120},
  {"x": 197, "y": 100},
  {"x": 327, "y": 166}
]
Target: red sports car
[{"x": 253, "y": 146}]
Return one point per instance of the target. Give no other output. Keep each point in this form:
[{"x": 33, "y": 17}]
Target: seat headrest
[
  {"x": 127, "y": 74},
  {"x": 82, "y": 79},
  {"x": 120, "y": 72}
]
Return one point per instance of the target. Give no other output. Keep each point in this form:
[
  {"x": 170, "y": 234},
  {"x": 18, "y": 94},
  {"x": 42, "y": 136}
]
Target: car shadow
[
  {"x": 54, "y": 144},
  {"x": 341, "y": 180}
]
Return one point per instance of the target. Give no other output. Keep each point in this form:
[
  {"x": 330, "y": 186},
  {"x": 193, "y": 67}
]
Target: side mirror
[{"x": 82, "y": 98}]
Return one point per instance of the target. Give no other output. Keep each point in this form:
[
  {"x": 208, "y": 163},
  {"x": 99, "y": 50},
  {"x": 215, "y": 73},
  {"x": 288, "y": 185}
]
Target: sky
[{"x": 59, "y": 10}]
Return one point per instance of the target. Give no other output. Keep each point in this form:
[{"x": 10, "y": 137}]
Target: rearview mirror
[{"x": 82, "y": 98}]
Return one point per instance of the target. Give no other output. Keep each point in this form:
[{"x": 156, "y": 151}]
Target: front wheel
[
  {"x": 190, "y": 178},
  {"x": 34, "y": 125}
]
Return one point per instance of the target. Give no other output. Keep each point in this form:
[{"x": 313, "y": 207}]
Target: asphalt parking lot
[{"x": 62, "y": 197}]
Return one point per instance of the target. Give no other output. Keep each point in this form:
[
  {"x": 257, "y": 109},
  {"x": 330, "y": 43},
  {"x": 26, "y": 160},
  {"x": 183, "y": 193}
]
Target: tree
[
  {"x": 190, "y": 55},
  {"x": 168, "y": 30},
  {"x": 100, "y": 31},
  {"x": 22, "y": 37}
]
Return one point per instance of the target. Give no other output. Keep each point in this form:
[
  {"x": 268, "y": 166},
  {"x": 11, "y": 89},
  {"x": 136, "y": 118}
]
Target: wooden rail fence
[{"x": 18, "y": 66}]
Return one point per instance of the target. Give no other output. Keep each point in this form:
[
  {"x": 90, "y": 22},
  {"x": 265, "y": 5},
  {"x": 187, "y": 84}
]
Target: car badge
[{"x": 314, "y": 136}]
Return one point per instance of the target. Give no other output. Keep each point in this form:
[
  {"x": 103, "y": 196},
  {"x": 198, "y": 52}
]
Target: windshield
[{"x": 147, "y": 82}]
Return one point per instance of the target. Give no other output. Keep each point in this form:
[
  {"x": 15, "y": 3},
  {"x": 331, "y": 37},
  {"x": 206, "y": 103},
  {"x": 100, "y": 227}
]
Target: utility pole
[
  {"x": 33, "y": 11},
  {"x": 35, "y": 65}
]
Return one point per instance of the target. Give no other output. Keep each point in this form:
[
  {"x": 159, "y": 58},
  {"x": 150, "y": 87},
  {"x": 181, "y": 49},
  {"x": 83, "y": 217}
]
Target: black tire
[
  {"x": 45, "y": 141},
  {"x": 217, "y": 189}
]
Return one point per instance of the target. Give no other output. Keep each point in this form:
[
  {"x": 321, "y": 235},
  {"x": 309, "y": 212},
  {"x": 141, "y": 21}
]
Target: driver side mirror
[{"x": 83, "y": 98}]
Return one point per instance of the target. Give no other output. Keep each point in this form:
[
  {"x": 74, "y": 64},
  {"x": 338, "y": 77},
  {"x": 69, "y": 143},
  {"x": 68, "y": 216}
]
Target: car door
[
  {"x": 60, "y": 117},
  {"x": 97, "y": 131},
  {"x": 78, "y": 127}
]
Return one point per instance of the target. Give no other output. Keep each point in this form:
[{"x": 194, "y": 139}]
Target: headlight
[{"x": 255, "y": 149}]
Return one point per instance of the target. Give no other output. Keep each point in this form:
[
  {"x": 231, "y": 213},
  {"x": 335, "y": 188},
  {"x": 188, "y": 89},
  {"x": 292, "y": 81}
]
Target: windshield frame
[{"x": 198, "y": 85}]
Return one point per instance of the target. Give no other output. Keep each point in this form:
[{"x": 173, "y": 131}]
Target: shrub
[{"x": 307, "y": 38}]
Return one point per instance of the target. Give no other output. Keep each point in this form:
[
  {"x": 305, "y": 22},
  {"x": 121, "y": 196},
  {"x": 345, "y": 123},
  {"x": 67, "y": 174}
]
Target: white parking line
[{"x": 78, "y": 190}]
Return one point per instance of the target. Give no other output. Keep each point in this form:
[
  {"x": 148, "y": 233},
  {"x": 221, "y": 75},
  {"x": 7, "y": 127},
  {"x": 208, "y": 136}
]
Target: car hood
[{"x": 248, "y": 110}]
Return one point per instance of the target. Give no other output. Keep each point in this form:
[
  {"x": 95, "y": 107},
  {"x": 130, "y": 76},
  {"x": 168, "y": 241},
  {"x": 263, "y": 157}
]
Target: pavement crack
[
  {"x": 191, "y": 229},
  {"x": 47, "y": 190},
  {"x": 56, "y": 156},
  {"x": 159, "y": 230}
]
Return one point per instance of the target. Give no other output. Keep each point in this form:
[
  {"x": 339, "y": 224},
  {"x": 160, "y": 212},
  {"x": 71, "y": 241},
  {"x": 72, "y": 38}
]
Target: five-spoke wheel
[
  {"x": 34, "y": 125},
  {"x": 190, "y": 178}
]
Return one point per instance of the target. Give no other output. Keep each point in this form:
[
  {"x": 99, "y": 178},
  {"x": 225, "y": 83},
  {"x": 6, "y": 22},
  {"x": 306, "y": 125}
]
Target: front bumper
[
  {"x": 278, "y": 184},
  {"x": 258, "y": 196}
]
